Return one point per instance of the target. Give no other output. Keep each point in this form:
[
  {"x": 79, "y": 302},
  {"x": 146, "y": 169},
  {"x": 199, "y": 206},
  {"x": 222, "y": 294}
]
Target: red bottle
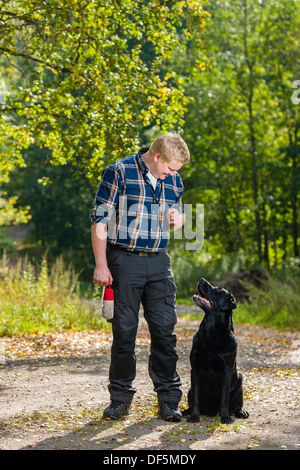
[{"x": 108, "y": 303}]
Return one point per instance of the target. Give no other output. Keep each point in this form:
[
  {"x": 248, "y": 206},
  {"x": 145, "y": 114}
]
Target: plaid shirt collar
[
  {"x": 144, "y": 170},
  {"x": 142, "y": 165}
]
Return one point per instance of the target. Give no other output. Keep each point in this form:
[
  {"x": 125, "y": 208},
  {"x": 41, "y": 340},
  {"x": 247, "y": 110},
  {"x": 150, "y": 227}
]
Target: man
[{"x": 138, "y": 201}]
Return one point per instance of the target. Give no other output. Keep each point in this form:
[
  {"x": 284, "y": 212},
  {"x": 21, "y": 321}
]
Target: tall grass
[
  {"x": 190, "y": 267},
  {"x": 42, "y": 299},
  {"x": 276, "y": 306}
]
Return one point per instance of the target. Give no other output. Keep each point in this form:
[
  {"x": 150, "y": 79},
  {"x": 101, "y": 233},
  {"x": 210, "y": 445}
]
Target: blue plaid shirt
[{"x": 134, "y": 211}]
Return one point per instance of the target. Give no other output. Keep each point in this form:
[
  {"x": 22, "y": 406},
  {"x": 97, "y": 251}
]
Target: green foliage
[
  {"x": 6, "y": 242},
  {"x": 190, "y": 267},
  {"x": 59, "y": 211},
  {"x": 93, "y": 75},
  {"x": 89, "y": 82},
  {"x": 277, "y": 306},
  {"x": 9, "y": 213},
  {"x": 243, "y": 131},
  {"x": 45, "y": 300}
]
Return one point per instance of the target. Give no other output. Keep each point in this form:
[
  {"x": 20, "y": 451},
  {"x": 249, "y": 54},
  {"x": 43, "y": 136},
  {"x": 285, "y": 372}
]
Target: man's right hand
[{"x": 102, "y": 276}]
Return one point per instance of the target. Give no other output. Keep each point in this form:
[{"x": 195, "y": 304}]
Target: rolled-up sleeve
[{"x": 107, "y": 196}]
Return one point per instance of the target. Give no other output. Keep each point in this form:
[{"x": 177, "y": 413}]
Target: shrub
[
  {"x": 277, "y": 306},
  {"x": 42, "y": 299}
]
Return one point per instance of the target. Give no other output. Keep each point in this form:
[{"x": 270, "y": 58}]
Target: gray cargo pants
[{"x": 148, "y": 280}]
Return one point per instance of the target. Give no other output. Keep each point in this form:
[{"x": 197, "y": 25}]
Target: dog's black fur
[{"x": 216, "y": 387}]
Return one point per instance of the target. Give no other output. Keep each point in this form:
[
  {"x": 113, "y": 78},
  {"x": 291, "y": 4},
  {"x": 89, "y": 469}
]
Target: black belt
[{"x": 130, "y": 252}]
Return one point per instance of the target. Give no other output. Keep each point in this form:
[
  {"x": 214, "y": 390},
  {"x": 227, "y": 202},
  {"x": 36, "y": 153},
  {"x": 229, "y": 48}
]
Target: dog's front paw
[
  {"x": 193, "y": 419},
  {"x": 226, "y": 420}
]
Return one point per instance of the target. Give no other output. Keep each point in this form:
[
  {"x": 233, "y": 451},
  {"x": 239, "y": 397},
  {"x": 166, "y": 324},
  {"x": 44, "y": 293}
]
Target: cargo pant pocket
[{"x": 170, "y": 300}]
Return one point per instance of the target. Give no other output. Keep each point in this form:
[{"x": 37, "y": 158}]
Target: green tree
[
  {"x": 89, "y": 83},
  {"x": 84, "y": 76},
  {"x": 243, "y": 130}
]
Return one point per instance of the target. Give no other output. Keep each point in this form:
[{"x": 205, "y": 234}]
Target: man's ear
[
  {"x": 228, "y": 303},
  {"x": 156, "y": 157}
]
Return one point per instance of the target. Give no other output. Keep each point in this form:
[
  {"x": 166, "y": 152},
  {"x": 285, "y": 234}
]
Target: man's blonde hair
[{"x": 171, "y": 146}]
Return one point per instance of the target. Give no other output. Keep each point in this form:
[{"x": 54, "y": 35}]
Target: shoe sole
[
  {"x": 114, "y": 418},
  {"x": 104, "y": 416},
  {"x": 173, "y": 419}
]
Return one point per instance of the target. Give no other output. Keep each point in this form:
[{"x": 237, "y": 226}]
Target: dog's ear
[{"x": 228, "y": 302}]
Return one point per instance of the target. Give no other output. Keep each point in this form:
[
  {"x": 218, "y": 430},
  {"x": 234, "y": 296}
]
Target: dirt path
[{"x": 53, "y": 389}]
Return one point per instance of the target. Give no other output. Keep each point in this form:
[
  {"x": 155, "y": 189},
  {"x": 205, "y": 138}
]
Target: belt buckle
[{"x": 143, "y": 254}]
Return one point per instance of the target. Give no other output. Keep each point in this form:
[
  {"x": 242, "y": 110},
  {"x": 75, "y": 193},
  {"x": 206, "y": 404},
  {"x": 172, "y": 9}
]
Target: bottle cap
[{"x": 108, "y": 293}]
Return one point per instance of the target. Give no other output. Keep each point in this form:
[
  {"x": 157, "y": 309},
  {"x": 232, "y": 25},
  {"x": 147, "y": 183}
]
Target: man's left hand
[{"x": 175, "y": 219}]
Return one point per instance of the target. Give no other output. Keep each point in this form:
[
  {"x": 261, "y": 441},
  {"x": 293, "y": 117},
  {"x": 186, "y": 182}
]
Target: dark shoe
[
  {"x": 169, "y": 411},
  {"x": 116, "y": 410}
]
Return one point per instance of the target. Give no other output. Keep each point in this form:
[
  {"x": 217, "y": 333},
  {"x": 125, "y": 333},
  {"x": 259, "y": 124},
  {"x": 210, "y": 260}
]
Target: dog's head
[{"x": 212, "y": 299}]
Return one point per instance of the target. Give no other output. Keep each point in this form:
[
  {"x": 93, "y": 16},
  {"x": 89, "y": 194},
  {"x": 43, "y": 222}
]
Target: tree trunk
[{"x": 253, "y": 152}]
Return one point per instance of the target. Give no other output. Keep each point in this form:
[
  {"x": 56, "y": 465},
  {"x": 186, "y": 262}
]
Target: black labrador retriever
[{"x": 216, "y": 387}]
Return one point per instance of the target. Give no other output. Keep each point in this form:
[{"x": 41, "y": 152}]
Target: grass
[
  {"x": 48, "y": 298},
  {"x": 278, "y": 306},
  {"x": 43, "y": 299}
]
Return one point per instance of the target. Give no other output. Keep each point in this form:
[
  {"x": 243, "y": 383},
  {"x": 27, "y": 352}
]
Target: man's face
[{"x": 162, "y": 168}]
